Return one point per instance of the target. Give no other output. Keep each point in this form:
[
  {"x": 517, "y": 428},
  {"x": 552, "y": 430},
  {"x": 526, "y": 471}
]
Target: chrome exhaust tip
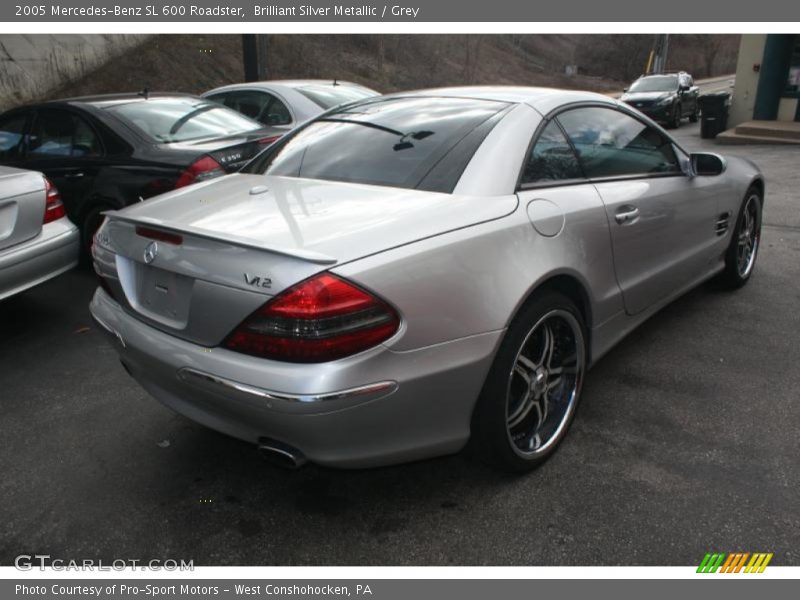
[{"x": 281, "y": 455}]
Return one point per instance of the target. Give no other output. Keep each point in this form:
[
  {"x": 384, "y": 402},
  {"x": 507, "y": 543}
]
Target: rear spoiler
[{"x": 307, "y": 255}]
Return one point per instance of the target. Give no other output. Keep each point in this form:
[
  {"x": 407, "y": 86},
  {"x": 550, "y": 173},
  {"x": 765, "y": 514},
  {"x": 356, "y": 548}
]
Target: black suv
[{"x": 665, "y": 98}]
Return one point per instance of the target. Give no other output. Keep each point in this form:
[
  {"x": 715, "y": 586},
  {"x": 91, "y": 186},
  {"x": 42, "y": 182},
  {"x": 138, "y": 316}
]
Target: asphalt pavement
[{"x": 686, "y": 441}]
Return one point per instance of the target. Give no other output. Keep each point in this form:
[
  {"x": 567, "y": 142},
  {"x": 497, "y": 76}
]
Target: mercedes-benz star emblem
[{"x": 150, "y": 252}]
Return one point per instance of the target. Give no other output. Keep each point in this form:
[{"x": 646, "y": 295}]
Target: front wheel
[
  {"x": 675, "y": 121},
  {"x": 740, "y": 259},
  {"x": 532, "y": 390}
]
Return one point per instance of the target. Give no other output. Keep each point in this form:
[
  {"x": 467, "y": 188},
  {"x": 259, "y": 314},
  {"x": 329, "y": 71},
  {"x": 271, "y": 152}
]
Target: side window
[
  {"x": 610, "y": 143},
  {"x": 60, "y": 133},
  {"x": 551, "y": 158},
  {"x": 250, "y": 104},
  {"x": 276, "y": 113},
  {"x": 223, "y": 98},
  {"x": 260, "y": 106},
  {"x": 85, "y": 141},
  {"x": 12, "y": 130}
]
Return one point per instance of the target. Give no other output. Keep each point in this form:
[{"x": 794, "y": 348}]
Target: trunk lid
[
  {"x": 231, "y": 152},
  {"x": 22, "y": 203},
  {"x": 244, "y": 238},
  {"x": 313, "y": 218}
]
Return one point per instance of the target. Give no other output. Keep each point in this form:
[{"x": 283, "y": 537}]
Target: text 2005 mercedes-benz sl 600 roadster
[{"x": 407, "y": 274}]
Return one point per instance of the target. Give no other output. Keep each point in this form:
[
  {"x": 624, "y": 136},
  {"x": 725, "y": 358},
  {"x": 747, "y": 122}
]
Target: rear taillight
[
  {"x": 269, "y": 140},
  {"x": 200, "y": 170},
  {"x": 54, "y": 207},
  {"x": 319, "y": 319}
]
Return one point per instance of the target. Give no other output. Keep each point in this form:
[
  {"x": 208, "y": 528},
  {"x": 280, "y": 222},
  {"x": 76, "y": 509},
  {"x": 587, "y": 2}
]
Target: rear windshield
[
  {"x": 328, "y": 96},
  {"x": 183, "y": 119},
  {"x": 397, "y": 142},
  {"x": 665, "y": 83}
]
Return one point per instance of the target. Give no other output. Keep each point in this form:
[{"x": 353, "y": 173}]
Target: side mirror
[
  {"x": 625, "y": 90},
  {"x": 707, "y": 164},
  {"x": 685, "y": 88}
]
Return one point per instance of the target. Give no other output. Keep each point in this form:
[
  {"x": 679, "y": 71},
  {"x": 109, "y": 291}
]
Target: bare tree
[
  {"x": 710, "y": 47},
  {"x": 472, "y": 50},
  {"x": 620, "y": 57}
]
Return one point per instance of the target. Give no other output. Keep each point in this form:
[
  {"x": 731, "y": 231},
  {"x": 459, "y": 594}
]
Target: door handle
[
  {"x": 76, "y": 175},
  {"x": 626, "y": 214}
]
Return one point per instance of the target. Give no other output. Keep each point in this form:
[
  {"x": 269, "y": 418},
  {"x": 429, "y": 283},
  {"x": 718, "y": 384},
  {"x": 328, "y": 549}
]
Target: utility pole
[
  {"x": 262, "y": 43},
  {"x": 660, "y": 51},
  {"x": 254, "y": 56}
]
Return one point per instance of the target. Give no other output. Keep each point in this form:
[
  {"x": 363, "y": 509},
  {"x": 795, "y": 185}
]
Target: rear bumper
[
  {"x": 30, "y": 263},
  {"x": 375, "y": 408}
]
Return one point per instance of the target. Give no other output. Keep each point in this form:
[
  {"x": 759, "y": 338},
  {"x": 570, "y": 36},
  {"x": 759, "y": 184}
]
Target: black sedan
[{"x": 106, "y": 152}]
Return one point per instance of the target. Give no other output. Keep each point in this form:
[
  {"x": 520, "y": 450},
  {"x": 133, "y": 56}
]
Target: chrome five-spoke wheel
[
  {"x": 740, "y": 258},
  {"x": 544, "y": 383},
  {"x": 748, "y": 236},
  {"x": 532, "y": 390}
]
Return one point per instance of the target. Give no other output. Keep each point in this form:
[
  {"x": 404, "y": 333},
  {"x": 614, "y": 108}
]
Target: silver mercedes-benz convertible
[{"x": 406, "y": 274}]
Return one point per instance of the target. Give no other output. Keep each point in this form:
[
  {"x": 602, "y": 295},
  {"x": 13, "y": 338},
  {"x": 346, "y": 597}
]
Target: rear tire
[
  {"x": 530, "y": 395},
  {"x": 740, "y": 258}
]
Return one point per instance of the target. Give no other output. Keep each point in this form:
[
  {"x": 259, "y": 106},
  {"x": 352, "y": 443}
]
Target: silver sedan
[
  {"x": 285, "y": 103},
  {"x": 37, "y": 241},
  {"x": 406, "y": 275}
]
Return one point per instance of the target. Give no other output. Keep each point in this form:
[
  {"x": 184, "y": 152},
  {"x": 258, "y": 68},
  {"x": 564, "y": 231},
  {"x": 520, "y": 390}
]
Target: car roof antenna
[{"x": 145, "y": 93}]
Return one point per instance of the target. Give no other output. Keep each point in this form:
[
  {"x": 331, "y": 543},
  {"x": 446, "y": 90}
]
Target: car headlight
[{"x": 665, "y": 101}]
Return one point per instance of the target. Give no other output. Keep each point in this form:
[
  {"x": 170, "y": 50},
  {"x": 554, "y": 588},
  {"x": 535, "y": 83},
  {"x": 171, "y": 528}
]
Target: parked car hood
[
  {"x": 643, "y": 96},
  {"x": 313, "y": 218}
]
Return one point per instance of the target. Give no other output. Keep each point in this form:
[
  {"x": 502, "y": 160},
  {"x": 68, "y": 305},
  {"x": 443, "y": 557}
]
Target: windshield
[
  {"x": 333, "y": 95},
  {"x": 665, "y": 83},
  {"x": 398, "y": 142},
  {"x": 183, "y": 119}
]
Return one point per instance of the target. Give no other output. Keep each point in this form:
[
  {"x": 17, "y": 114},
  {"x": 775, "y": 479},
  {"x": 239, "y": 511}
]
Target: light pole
[{"x": 254, "y": 56}]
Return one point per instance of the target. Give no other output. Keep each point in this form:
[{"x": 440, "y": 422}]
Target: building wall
[
  {"x": 787, "y": 109},
  {"x": 751, "y": 52},
  {"x": 33, "y": 65}
]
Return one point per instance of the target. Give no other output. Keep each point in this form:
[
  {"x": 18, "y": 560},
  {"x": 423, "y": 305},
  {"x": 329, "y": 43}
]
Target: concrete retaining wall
[{"x": 31, "y": 66}]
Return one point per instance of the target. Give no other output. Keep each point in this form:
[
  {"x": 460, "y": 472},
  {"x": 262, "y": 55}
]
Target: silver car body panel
[
  {"x": 319, "y": 221},
  {"x": 456, "y": 267},
  {"x": 665, "y": 210},
  {"x": 427, "y": 415},
  {"x": 283, "y": 235},
  {"x": 300, "y": 107},
  {"x": 30, "y": 253}
]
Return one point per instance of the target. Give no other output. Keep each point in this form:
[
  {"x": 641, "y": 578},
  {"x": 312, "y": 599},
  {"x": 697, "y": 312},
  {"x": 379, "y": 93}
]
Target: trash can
[{"x": 713, "y": 114}]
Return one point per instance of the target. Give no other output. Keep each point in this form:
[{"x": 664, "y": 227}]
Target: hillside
[{"x": 195, "y": 63}]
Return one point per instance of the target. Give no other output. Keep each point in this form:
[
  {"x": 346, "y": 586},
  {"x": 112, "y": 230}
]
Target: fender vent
[{"x": 722, "y": 223}]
